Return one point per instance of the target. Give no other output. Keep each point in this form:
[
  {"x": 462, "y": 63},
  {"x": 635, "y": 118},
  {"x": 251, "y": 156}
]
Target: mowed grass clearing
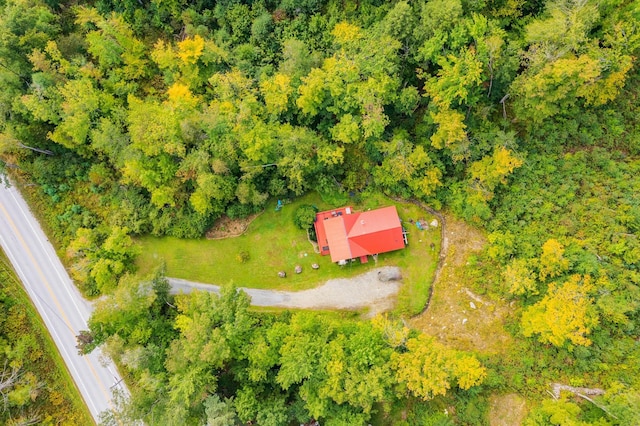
[{"x": 273, "y": 243}]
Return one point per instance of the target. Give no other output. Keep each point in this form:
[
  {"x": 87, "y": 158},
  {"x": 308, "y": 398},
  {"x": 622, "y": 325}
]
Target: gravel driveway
[{"x": 342, "y": 293}]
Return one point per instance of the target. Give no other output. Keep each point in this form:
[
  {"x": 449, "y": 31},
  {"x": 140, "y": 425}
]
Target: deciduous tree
[
  {"x": 428, "y": 368},
  {"x": 566, "y": 315}
]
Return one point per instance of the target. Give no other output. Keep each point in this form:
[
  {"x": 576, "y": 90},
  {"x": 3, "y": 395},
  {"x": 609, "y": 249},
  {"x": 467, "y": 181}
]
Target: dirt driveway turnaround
[{"x": 363, "y": 291}]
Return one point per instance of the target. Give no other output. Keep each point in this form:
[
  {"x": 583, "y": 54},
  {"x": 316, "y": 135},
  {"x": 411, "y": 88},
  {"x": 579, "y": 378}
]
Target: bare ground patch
[
  {"x": 507, "y": 410},
  {"x": 225, "y": 227},
  {"x": 457, "y": 316}
]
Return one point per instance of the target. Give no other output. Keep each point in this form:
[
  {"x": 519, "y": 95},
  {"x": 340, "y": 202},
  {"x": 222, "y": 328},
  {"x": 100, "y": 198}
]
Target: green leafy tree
[
  {"x": 131, "y": 313},
  {"x": 334, "y": 367},
  {"x": 565, "y": 66},
  {"x": 407, "y": 169},
  {"x": 561, "y": 412},
  {"x": 101, "y": 257},
  {"x": 25, "y": 25},
  {"x": 304, "y": 217},
  {"x": 82, "y": 103},
  {"x": 219, "y": 412},
  {"x": 118, "y": 53},
  {"x": 213, "y": 331},
  {"x": 622, "y": 401},
  {"x": 520, "y": 279}
]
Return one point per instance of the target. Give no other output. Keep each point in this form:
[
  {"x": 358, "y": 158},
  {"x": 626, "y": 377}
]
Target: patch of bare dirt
[
  {"x": 226, "y": 227},
  {"x": 457, "y": 316},
  {"x": 507, "y": 410}
]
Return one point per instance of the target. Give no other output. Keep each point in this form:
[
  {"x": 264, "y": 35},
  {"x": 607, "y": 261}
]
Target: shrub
[
  {"x": 304, "y": 216},
  {"x": 240, "y": 211},
  {"x": 243, "y": 257}
]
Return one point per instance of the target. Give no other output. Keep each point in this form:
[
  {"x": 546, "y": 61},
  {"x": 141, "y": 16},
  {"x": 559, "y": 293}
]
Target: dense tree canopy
[
  {"x": 263, "y": 368},
  {"x": 201, "y": 111},
  {"x": 134, "y": 117}
]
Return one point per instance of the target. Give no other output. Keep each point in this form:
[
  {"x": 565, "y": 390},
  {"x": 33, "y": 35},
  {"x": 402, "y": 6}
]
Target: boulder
[
  {"x": 389, "y": 274},
  {"x": 298, "y": 269},
  {"x": 282, "y": 274},
  {"x": 315, "y": 266}
]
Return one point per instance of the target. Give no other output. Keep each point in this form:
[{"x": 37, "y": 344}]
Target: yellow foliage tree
[
  {"x": 179, "y": 94},
  {"x": 494, "y": 169},
  {"x": 276, "y": 91},
  {"x": 552, "y": 261},
  {"x": 603, "y": 89},
  {"x": 566, "y": 66},
  {"x": 428, "y": 368},
  {"x": 312, "y": 92},
  {"x": 460, "y": 75},
  {"x": 394, "y": 332},
  {"x": 407, "y": 166},
  {"x": 565, "y": 314},
  {"x": 486, "y": 174},
  {"x": 190, "y": 49},
  {"x": 347, "y": 130},
  {"x": 424, "y": 368},
  {"x": 468, "y": 371},
  {"x": 451, "y": 132},
  {"x": 555, "y": 87},
  {"x": 519, "y": 278},
  {"x": 345, "y": 32},
  {"x": 188, "y": 61}
]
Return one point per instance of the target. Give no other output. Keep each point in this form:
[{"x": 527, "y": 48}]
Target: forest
[{"x": 156, "y": 117}]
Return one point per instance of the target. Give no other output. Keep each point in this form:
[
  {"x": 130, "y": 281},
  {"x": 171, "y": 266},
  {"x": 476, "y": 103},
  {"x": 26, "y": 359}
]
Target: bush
[
  {"x": 243, "y": 257},
  {"x": 240, "y": 211},
  {"x": 304, "y": 216}
]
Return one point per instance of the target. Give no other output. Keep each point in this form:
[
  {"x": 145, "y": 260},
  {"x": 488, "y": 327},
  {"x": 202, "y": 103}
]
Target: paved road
[{"x": 58, "y": 301}]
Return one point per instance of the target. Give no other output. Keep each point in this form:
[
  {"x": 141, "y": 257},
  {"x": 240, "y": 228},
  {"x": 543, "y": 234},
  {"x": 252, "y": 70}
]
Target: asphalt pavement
[{"x": 64, "y": 311}]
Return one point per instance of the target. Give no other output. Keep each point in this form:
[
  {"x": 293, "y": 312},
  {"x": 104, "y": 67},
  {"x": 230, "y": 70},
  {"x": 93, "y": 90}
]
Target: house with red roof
[{"x": 344, "y": 234}]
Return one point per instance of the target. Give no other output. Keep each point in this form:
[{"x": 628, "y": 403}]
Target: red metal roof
[
  {"x": 339, "y": 247},
  {"x": 321, "y": 235},
  {"x": 345, "y": 234}
]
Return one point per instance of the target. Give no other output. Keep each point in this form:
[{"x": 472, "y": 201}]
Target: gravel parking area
[{"x": 363, "y": 291}]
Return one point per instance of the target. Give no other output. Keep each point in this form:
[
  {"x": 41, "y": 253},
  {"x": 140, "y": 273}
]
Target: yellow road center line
[{"x": 55, "y": 299}]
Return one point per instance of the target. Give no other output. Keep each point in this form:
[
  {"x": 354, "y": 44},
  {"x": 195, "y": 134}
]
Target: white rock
[
  {"x": 473, "y": 305},
  {"x": 464, "y": 321},
  {"x": 434, "y": 223}
]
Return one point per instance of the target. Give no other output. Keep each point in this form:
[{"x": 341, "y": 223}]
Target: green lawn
[{"x": 275, "y": 244}]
